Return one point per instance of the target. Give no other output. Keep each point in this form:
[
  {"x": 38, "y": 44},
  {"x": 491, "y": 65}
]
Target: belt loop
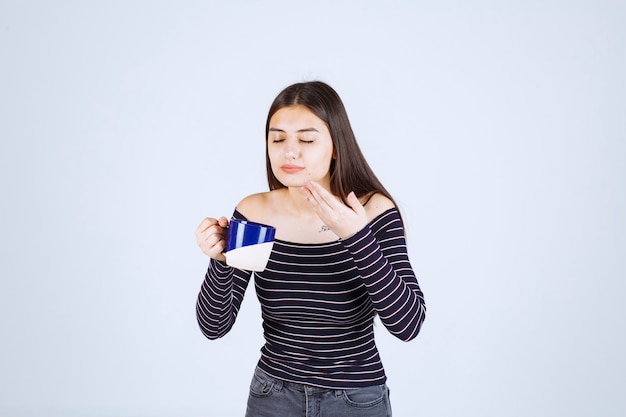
[{"x": 278, "y": 384}]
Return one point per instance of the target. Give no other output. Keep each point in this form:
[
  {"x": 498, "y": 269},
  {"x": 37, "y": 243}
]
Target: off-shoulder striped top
[{"x": 318, "y": 303}]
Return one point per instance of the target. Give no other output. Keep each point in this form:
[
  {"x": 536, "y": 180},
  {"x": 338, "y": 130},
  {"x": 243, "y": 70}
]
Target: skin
[{"x": 301, "y": 150}]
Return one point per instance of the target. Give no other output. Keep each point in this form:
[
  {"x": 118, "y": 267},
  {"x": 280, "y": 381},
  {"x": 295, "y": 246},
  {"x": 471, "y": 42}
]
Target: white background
[{"x": 498, "y": 126}]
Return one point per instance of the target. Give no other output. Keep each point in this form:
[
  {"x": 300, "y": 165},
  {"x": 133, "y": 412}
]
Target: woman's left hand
[{"x": 343, "y": 220}]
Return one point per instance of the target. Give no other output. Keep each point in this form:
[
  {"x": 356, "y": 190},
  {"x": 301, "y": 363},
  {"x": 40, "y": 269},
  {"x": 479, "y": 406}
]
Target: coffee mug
[{"x": 249, "y": 245}]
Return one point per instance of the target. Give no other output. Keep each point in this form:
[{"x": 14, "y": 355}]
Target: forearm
[
  {"x": 219, "y": 300},
  {"x": 390, "y": 282}
]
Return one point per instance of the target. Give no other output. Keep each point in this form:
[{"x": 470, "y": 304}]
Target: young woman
[{"x": 339, "y": 260}]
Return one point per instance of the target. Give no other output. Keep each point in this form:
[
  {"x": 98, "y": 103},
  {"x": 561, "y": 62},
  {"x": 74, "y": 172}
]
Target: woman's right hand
[{"x": 211, "y": 237}]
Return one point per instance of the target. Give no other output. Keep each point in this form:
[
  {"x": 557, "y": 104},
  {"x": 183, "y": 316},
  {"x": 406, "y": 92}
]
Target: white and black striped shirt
[{"x": 318, "y": 303}]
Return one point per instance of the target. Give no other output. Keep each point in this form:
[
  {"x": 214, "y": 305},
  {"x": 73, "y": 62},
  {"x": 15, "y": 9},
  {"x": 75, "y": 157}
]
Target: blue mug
[{"x": 249, "y": 244}]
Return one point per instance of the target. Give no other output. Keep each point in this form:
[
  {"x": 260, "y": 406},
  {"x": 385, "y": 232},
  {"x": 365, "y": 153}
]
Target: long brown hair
[{"x": 349, "y": 171}]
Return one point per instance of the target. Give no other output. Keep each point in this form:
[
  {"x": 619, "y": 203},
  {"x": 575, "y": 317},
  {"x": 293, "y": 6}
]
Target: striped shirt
[{"x": 318, "y": 303}]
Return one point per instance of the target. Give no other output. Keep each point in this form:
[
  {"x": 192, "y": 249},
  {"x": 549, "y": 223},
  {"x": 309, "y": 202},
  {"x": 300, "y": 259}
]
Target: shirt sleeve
[
  {"x": 380, "y": 254},
  {"x": 220, "y": 298}
]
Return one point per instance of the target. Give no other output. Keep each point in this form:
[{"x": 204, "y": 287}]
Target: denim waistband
[{"x": 279, "y": 383}]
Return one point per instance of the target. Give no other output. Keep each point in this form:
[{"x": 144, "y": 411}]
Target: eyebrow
[{"x": 308, "y": 129}]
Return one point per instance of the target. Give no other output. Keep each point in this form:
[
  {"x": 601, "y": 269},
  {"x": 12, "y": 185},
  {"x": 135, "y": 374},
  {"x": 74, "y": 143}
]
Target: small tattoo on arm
[{"x": 324, "y": 228}]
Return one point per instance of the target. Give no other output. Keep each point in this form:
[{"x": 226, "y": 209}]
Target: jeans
[{"x": 270, "y": 397}]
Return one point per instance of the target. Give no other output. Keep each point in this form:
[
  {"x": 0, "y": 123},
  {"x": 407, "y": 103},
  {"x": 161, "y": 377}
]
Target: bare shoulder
[
  {"x": 252, "y": 205},
  {"x": 259, "y": 207},
  {"x": 376, "y": 205}
]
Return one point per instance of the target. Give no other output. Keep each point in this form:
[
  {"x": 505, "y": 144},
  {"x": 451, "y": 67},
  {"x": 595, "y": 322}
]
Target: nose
[{"x": 292, "y": 153}]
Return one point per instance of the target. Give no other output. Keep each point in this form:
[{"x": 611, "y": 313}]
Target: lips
[{"x": 291, "y": 169}]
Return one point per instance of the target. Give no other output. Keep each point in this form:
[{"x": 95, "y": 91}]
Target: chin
[
  {"x": 291, "y": 181},
  {"x": 293, "y": 184}
]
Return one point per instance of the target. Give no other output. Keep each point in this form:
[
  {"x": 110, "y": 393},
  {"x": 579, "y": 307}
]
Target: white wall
[{"x": 498, "y": 126}]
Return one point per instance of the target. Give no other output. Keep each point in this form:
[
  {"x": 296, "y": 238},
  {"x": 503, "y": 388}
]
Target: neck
[
  {"x": 298, "y": 201},
  {"x": 299, "y": 204}
]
